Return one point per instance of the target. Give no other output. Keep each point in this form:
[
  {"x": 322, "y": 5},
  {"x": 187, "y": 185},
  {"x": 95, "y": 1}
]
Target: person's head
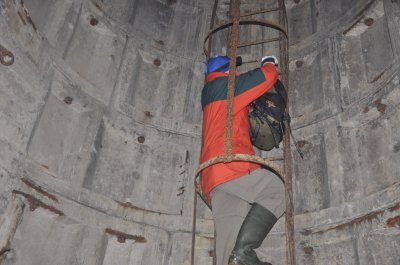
[{"x": 219, "y": 64}]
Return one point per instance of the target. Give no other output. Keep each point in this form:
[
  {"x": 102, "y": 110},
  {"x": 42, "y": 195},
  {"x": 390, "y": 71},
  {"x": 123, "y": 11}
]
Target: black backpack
[{"x": 267, "y": 118}]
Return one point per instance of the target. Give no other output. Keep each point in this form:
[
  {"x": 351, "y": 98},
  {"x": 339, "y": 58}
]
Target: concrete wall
[
  {"x": 101, "y": 130},
  {"x": 344, "y": 73}
]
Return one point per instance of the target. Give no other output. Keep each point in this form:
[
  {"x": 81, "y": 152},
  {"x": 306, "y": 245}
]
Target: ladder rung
[
  {"x": 258, "y": 42},
  {"x": 260, "y": 12}
]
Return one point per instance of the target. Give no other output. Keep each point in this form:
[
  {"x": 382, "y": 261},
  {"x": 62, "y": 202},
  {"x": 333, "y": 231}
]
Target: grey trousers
[{"x": 231, "y": 203}]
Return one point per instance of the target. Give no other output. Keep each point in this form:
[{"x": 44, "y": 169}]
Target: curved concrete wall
[
  {"x": 101, "y": 130},
  {"x": 344, "y": 81}
]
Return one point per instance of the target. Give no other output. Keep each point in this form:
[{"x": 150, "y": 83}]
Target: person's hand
[{"x": 269, "y": 59}]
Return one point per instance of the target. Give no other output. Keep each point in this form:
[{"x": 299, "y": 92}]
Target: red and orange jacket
[{"x": 248, "y": 87}]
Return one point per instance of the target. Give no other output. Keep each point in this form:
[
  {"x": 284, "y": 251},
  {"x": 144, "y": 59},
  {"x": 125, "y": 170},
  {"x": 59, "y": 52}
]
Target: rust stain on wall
[
  {"x": 25, "y": 17},
  {"x": 393, "y": 222},
  {"x": 380, "y": 106},
  {"x": 34, "y": 203},
  {"x": 39, "y": 189},
  {"x": 148, "y": 114},
  {"x": 122, "y": 237}
]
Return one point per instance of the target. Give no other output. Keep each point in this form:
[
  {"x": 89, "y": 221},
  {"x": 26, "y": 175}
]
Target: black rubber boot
[{"x": 256, "y": 226}]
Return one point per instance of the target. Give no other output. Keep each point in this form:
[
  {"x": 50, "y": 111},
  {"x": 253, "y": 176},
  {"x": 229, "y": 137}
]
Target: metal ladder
[{"x": 285, "y": 172}]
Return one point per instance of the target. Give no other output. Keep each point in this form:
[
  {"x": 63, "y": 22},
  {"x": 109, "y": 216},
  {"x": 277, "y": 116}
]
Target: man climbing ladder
[{"x": 246, "y": 200}]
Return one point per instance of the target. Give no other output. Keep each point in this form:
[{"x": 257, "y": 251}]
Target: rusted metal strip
[
  {"x": 234, "y": 38},
  {"x": 39, "y": 189},
  {"x": 260, "y": 12},
  {"x": 226, "y": 24},
  {"x": 34, "y": 203},
  {"x": 268, "y": 162},
  {"x": 243, "y": 157},
  {"x": 213, "y": 15},
  {"x": 287, "y": 154},
  {"x": 122, "y": 237},
  {"x": 258, "y": 42},
  {"x": 291, "y": 258},
  {"x": 195, "y": 192}
]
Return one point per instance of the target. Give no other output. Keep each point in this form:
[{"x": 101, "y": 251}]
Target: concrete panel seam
[
  {"x": 9, "y": 222},
  {"x": 124, "y": 51},
  {"x": 68, "y": 45},
  {"x": 38, "y": 118}
]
